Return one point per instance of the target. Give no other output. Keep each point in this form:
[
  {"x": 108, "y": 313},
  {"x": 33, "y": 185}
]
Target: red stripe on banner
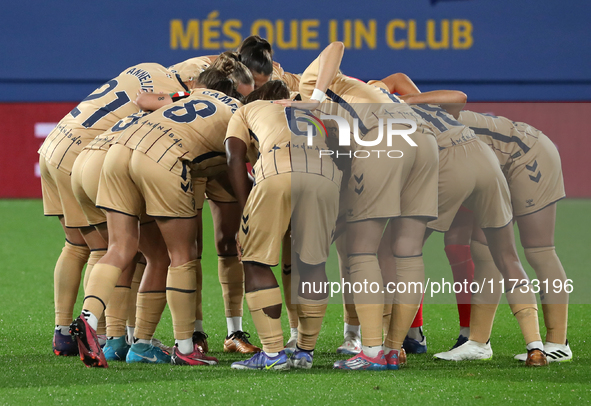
[
  {"x": 24, "y": 127},
  {"x": 25, "y": 124},
  {"x": 565, "y": 124}
]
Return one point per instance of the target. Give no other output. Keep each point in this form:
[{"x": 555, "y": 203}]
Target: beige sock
[
  {"x": 101, "y": 285},
  {"x": 116, "y": 312},
  {"x": 231, "y": 276},
  {"x": 198, "y": 291},
  {"x": 132, "y": 297},
  {"x": 150, "y": 306},
  {"x": 484, "y": 304},
  {"x": 181, "y": 286},
  {"x": 95, "y": 256},
  {"x": 268, "y": 328},
  {"x": 311, "y": 313},
  {"x": 66, "y": 278},
  {"x": 526, "y": 312},
  {"x": 369, "y": 305},
  {"x": 406, "y": 305},
  {"x": 554, "y": 301}
]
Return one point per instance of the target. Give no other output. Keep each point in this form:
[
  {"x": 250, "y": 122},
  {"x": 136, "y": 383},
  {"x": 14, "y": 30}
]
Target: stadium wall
[{"x": 493, "y": 50}]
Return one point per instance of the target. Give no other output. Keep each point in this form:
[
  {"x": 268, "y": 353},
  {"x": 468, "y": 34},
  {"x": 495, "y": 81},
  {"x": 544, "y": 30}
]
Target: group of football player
[{"x": 127, "y": 172}]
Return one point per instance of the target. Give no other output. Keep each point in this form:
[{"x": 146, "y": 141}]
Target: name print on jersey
[{"x": 144, "y": 77}]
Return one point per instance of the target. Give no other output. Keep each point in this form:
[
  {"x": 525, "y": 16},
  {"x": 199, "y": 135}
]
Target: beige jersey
[
  {"x": 191, "y": 68},
  {"x": 353, "y": 99},
  {"x": 448, "y": 131},
  {"x": 277, "y": 141},
  {"x": 508, "y": 139},
  {"x": 106, "y": 139},
  {"x": 186, "y": 134},
  {"x": 102, "y": 109},
  {"x": 291, "y": 80},
  {"x": 379, "y": 84}
]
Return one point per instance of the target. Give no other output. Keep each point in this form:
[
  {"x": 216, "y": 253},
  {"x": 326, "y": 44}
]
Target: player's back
[
  {"x": 104, "y": 140},
  {"x": 448, "y": 131},
  {"x": 190, "y": 130},
  {"x": 277, "y": 140},
  {"x": 191, "y": 68},
  {"x": 291, "y": 80},
  {"x": 103, "y": 108},
  {"x": 508, "y": 139}
]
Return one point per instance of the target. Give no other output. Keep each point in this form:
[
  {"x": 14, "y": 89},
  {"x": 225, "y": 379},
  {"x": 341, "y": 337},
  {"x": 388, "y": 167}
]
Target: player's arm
[
  {"x": 401, "y": 84},
  {"x": 453, "y": 101},
  {"x": 236, "y": 154},
  {"x": 329, "y": 62},
  {"x": 153, "y": 101},
  {"x": 237, "y": 142}
]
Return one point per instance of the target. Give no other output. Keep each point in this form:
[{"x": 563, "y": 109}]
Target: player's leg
[
  {"x": 98, "y": 245},
  {"x": 418, "y": 205},
  {"x": 151, "y": 298},
  {"x": 457, "y": 249},
  {"x": 537, "y": 237},
  {"x": 180, "y": 236},
  {"x": 140, "y": 267},
  {"x": 415, "y": 341},
  {"x": 67, "y": 276},
  {"x": 493, "y": 212},
  {"x": 56, "y": 190},
  {"x": 536, "y": 184},
  {"x": 312, "y": 227},
  {"x": 483, "y": 305},
  {"x": 523, "y": 305},
  {"x": 199, "y": 336},
  {"x": 119, "y": 196},
  {"x": 115, "y": 315},
  {"x": 288, "y": 274},
  {"x": 351, "y": 330},
  {"x": 123, "y": 246},
  {"x": 226, "y": 221},
  {"x": 264, "y": 223},
  {"x": 84, "y": 183},
  {"x": 407, "y": 236},
  {"x": 363, "y": 240}
]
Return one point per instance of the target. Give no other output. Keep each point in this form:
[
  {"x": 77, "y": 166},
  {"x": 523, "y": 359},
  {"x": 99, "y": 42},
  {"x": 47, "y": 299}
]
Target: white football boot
[
  {"x": 554, "y": 353},
  {"x": 470, "y": 350},
  {"x": 351, "y": 345}
]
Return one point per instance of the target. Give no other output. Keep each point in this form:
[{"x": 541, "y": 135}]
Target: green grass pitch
[{"x": 31, "y": 374}]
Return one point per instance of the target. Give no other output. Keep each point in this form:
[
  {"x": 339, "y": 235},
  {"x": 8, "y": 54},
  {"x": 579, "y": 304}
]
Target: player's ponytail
[
  {"x": 272, "y": 90},
  {"x": 240, "y": 73},
  {"x": 256, "y": 53}
]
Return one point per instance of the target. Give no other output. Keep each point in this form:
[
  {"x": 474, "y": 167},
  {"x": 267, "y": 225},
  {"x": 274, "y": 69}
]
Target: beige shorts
[
  {"x": 384, "y": 187},
  {"x": 314, "y": 212},
  {"x": 535, "y": 179},
  {"x": 469, "y": 174},
  {"x": 165, "y": 193},
  {"x": 86, "y": 174},
  {"x": 212, "y": 190},
  {"x": 310, "y": 201},
  {"x": 117, "y": 191},
  {"x": 265, "y": 220},
  {"x": 58, "y": 197},
  {"x": 131, "y": 182}
]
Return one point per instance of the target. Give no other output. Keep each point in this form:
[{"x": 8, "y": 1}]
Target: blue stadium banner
[{"x": 496, "y": 49}]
